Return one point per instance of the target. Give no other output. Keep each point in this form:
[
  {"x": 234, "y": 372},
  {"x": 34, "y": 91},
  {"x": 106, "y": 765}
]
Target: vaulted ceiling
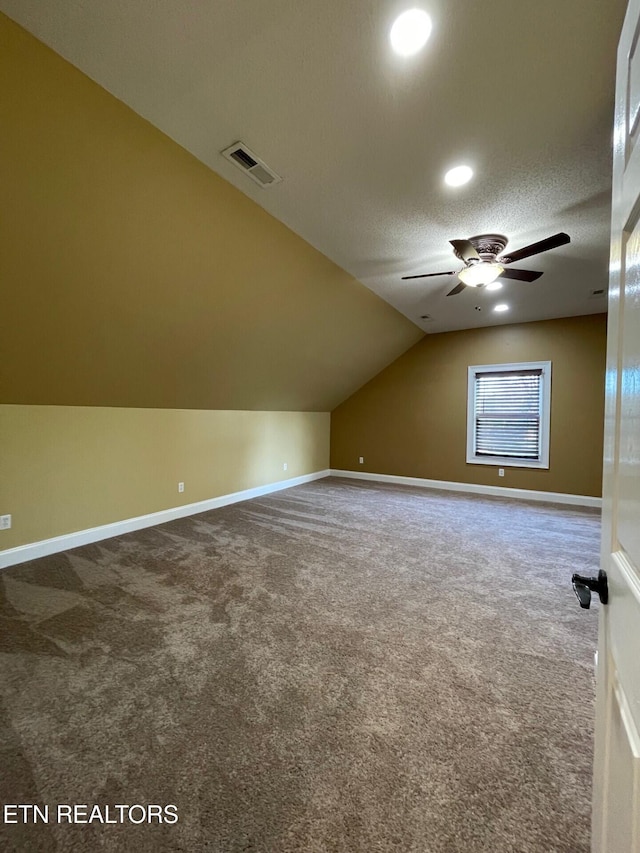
[{"x": 522, "y": 92}]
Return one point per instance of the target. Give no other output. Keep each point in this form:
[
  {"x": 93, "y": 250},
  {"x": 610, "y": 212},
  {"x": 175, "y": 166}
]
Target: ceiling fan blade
[
  {"x": 521, "y": 275},
  {"x": 428, "y": 274},
  {"x": 535, "y": 248},
  {"x": 457, "y": 289},
  {"x": 465, "y": 249}
]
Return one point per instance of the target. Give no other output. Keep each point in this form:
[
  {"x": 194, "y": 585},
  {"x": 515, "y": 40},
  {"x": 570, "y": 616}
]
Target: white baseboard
[
  {"x": 472, "y": 488},
  {"x": 22, "y": 553}
]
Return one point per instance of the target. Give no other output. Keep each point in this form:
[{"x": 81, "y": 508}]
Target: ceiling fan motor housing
[{"x": 488, "y": 246}]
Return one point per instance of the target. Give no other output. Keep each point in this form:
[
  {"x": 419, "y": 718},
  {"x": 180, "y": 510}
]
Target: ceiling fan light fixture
[
  {"x": 494, "y": 285},
  {"x": 458, "y": 176},
  {"x": 410, "y": 32},
  {"x": 479, "y": 274}
]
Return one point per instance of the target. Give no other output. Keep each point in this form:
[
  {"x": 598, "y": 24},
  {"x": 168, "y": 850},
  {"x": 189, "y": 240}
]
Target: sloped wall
[
  {"x": 132, "y": 275},
  {"x": 156, "y": 325}
]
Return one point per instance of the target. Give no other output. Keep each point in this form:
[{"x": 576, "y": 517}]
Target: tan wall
[
  {"x": 132, "y": 275},
  {"x": 146, "y": 302},
  {"x": 68, "y": 468},
  {"x": 410, "y": 420}
]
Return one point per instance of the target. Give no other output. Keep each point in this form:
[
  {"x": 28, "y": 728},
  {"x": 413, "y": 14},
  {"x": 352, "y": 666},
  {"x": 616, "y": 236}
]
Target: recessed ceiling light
[
  {"x": 458, "y": 176},
  {"x": 410, "y": 32},
  {"x": 494, "y": 285},
  {"x": 501, "y": 307}
]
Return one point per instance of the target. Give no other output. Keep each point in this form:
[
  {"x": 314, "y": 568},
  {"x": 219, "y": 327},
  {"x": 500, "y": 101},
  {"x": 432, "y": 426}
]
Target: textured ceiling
[{"x": 521, "y": 91}]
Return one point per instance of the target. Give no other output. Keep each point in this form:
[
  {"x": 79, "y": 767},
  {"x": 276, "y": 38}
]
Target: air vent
[
  {"x": 598, "y": 293},
  {"x": 252, "y": 166}
]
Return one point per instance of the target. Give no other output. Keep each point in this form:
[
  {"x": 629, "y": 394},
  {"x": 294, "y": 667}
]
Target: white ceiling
[{"x": 522, "y": 91}]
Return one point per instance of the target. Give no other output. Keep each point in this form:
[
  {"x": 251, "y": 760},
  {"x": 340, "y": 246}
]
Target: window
[{"x": 508, "y": 414}]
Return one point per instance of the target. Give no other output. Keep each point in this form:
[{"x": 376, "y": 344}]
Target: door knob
[{"x": 583, "y": 587}]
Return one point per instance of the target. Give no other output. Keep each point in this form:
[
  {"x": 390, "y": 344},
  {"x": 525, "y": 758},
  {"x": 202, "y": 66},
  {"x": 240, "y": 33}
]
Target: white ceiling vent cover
[{"x": 253, "y": 166}]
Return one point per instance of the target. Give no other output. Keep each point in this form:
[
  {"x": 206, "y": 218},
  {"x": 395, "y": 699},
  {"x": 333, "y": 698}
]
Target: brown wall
[
  {"x": 410, "y": 420},
  {"x": 172, "y": 328},
  {"x": 132, "y": 275}
]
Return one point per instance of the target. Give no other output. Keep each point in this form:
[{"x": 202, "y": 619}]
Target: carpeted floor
[{"x": 339, "y": 667}]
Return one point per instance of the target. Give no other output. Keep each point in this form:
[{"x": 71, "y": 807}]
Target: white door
[{"x": 616, "y": 803}]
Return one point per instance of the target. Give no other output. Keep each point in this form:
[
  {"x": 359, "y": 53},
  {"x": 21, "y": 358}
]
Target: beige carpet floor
[{"x": 340, "y": 667}]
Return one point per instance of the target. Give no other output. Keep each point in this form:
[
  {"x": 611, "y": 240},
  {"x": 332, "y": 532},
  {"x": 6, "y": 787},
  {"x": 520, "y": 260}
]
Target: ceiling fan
[{"x": 485, "y": 260}]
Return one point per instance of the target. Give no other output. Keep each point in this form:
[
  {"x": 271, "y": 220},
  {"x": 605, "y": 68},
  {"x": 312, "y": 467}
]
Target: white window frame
[{"x": 545, "y": 415}]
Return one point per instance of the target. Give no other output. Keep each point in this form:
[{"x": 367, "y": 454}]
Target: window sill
[{"x": 508, "y": 462}]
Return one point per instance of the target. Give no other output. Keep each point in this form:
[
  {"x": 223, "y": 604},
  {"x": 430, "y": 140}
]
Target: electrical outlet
[
  {"x": 181, "y": 487},
  {"x": 284, "y": 467},
  {"x": 500, "y": 472},
  {"x": 361, "y": 460},
  {"x": 5, "y": 522}
]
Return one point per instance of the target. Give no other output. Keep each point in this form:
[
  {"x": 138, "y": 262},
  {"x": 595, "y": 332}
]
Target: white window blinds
[{"x": 507, "y": 412}]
